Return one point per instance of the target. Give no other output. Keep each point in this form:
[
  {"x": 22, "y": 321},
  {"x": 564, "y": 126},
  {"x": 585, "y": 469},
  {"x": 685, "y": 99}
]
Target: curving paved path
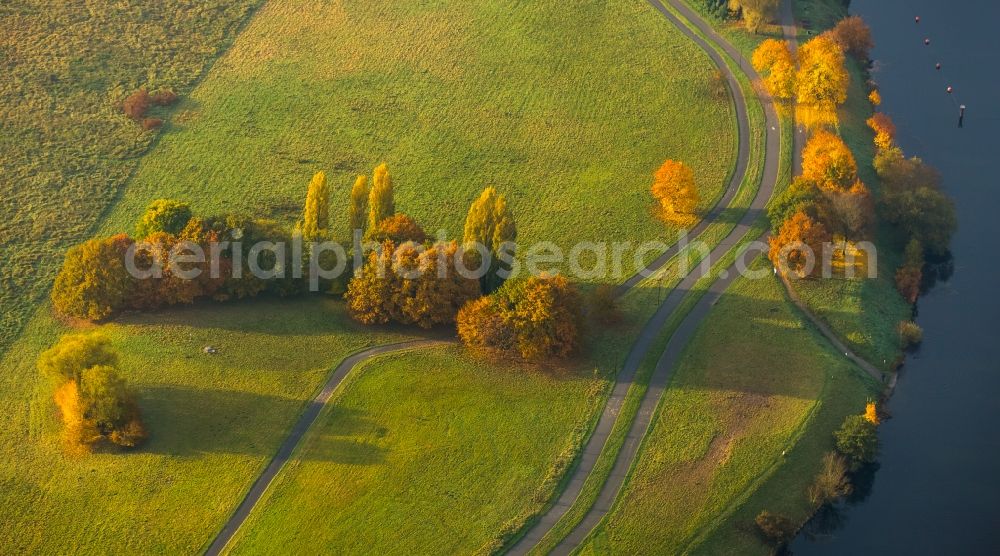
[
  {"x": 305, "y": 421},
  {"x": 596, "y": 442}
]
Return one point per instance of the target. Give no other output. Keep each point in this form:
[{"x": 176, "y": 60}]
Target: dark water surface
[{"x": 938, "y": 486}]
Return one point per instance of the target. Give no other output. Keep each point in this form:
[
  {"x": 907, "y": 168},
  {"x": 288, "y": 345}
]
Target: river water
[{"x": 937, "y": 488}]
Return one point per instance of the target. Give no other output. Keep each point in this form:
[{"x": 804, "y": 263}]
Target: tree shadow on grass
[{"x": 187, "y": 422}]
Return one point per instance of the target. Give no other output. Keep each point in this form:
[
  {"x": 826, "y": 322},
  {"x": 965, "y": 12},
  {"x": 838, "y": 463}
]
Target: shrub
[
  {"x": 857, "y": 440},
  {"x": 93, "y": 282},
  {"x": 776, "y": 528},
  {"x": 831, "y": 482},
  {"x": 149, "y": 124},
  {"x": 163, "y": 215},
  {"x": 135, "y": 105},
  {"x": 910, "y": 334}
]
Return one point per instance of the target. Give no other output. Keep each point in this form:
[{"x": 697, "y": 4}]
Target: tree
[
  {"x": 923, "y": 213},
  {"x": 776, "y": 528},
  {"x": 773, "y": 59},
  {"x": 798, "y": 245},
  {"x": 163, "y": 215},
  {"x": 857, "y": 440},
  {"x": 369, "y": 293},
  {"x": 875, "y": 98},
  {"x": 831, "y": 482},
  {"x": 755, "y": 13},
  {"x": 380, "y": 199},
  {"x": 316, "y": 215},
  {"x": 93, "y": 282},
  {"x": 399, "y": 228},
  {"x": 854, "y": 208},
  {"x": 78, "y": 431},
  {"x": 490, "y": 224},
  {"x": 74, "y": 353},
  {"x": 538, "y": 318},
  {"x": 674, "y": 188},
  {"x": 802, "y": 195},
  {"x": 910, "y": 335},
  {"x": 871, "y": 413},
  {"x": 358, "y": 217},
  {"x": 827, "y": 161},
  {"x": 885, "y": 130},
  {"x": 822, "y": 79},
  {"x": 854, "y": 37}
]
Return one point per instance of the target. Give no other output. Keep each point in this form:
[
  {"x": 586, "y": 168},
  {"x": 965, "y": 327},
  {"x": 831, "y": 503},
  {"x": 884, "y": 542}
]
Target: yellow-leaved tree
[
  {"x": 821, "y": 81},
  {"x": 828, "y": 162},
  {"x": 358, "y": 217},
  {"x": 773, "y": 59},
  {"x": 674, "y": 188},
  {"x": 490, "y": 223},
  {"x": 381, "y": 204},
  {"x": 316, "y": 215}
]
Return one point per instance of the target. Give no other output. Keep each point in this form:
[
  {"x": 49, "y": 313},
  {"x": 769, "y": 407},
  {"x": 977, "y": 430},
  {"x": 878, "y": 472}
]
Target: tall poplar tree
[
  {"x": 490, "y": 223},
  {"x": 359, "y": 205},
  {"x": 316, "y": 216},
  {"x": 380, "y": 199}
]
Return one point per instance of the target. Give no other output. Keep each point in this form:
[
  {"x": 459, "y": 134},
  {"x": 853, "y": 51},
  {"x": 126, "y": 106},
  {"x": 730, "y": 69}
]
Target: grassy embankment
[{"x": 562, "y": 127}]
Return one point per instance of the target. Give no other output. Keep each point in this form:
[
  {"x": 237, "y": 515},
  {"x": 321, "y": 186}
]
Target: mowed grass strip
[
  {"x": 428, "y": 452},
  {"x": 567, "y": 108},
  {"x": 214, "y": 422},
  {"x": 66, "y": 150},
  {"x": 744, "y": 391}
]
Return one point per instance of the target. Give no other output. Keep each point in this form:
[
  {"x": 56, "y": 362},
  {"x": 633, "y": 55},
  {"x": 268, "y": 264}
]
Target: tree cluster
[
  {"x": 537, "y": 318},
  {"x": 827, "y": 199},
  {"x": 411, "y": 284},
  {"x": 816, "y": 78},
  {"x": 94, "y": 402}
]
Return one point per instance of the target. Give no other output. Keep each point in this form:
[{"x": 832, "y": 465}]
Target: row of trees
[
  {"x": 815, "y": 77},
  {"x": 94, "y": 402},
  {"x": 912, "y": 200}
]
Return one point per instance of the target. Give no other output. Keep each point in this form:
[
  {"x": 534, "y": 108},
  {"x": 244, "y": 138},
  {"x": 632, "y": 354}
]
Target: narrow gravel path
[
  {"x": 305, "y": 421},
  {"x": 596, "y": 443}
]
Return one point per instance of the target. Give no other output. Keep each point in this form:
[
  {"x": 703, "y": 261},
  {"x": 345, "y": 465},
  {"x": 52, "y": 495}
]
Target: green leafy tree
[
  {"x": 316, "y": 215},
  {"x": 74, "y": 353},
  {"x": 163, "y": 215},
  {"x": 490, "y": 223},
  {"x": 93, "y": 282},
  {"x": 857, "y": 440},
  {"x": 381, "y": 204}
]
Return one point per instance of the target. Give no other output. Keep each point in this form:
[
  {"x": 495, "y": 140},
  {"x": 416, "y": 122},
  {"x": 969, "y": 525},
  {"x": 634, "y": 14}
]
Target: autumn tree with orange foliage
[
  {"x": 854, "y": 37},
  {"x": 93, "y": 282},
  {"x": 540, "y": 317},
  {"x": 875, "y": 97},
  {"x": 798, "y": 246},
  {"x": 871, "y": 413},
  {"x": 773, "y": 59},
  {"x": 409, "y": 284},
  {"x": 885, "y": 130},
  {"x": 674, "y": 188},
  {"x": 827, "y": 161}
]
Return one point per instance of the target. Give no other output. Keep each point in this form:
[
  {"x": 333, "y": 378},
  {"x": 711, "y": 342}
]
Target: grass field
[
  {"x": 565, "y": 108},
  {"x": 214, "y": 421},
  {"x": 749, "y": 386},
  {"x": 65, "y": 148},
  {"x": 429, "y": 452},
  {"x": 455, "y": 97}
]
